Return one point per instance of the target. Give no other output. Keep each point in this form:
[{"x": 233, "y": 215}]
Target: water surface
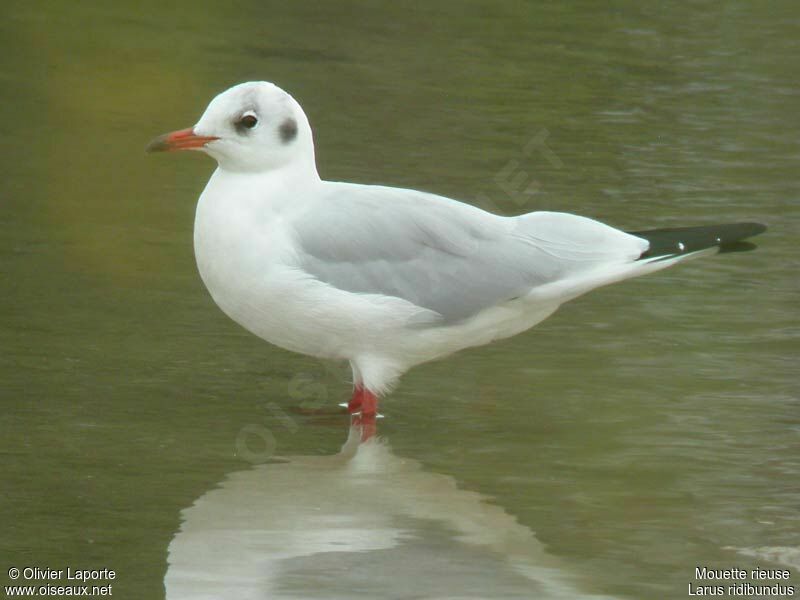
[{"x": 643, "y": 430}]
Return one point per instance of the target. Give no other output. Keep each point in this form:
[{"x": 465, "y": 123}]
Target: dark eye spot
[
  {"x": 245, "y": 123},
  {"x": 288, "y": 130}
]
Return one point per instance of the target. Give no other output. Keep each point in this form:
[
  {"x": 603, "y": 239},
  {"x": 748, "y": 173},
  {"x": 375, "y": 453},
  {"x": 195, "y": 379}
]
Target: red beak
[{"x": 184, "y": 139}]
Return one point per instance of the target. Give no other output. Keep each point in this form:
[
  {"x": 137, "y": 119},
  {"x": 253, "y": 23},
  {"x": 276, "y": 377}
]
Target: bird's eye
[{"x": 247, "y": 122}]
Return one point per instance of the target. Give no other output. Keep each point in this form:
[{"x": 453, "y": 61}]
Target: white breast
[{"x": 244, "y": 254}]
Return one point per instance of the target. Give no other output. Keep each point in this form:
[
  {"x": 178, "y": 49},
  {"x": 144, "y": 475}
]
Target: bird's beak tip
[{"x": 183, "y": 139}]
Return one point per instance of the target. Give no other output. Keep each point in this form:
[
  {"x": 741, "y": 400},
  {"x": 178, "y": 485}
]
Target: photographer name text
[{"x": 39, "y": 574}]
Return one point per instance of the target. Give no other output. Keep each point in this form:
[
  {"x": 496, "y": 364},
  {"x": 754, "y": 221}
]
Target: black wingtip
[
  {"x": 751, "y": 229},
  {"x": 684, "y": 240}
]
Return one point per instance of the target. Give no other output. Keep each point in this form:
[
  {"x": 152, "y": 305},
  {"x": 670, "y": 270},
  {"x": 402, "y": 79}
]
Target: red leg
[
  {"x": 354, "y": 405},
  {"x": 366, "y": 409},
  {"x": 369, "y": 403}
]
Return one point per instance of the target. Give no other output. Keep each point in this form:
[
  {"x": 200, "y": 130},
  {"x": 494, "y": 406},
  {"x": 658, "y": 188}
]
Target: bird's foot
[{"x": 363, "y": 408}]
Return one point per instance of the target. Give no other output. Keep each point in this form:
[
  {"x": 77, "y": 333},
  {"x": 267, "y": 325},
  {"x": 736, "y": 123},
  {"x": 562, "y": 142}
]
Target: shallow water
[{"x": 642, "y": 431}]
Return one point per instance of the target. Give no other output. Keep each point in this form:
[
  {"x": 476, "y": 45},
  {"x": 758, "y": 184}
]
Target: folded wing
[{"x": 444, "y": 256}]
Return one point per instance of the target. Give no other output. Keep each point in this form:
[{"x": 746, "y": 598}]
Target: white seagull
[{"x": 386, "y": 278}]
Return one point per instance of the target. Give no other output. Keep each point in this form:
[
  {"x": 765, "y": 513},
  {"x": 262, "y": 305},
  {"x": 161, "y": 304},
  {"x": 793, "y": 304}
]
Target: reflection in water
[{"x": 363, "y": 523}]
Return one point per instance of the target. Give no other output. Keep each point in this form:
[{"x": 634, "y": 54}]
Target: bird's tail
[
  {"x": 667, "y": 247},
  {"x": 683, "y": 242}
]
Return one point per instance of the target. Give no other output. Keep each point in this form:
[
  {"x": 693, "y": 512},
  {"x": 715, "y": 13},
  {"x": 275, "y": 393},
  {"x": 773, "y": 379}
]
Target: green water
[{"x": 645, "y": 429}]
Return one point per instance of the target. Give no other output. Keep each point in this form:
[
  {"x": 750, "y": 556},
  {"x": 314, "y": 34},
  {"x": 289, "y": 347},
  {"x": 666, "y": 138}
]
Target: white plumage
[{"x": 385, "y": 278}]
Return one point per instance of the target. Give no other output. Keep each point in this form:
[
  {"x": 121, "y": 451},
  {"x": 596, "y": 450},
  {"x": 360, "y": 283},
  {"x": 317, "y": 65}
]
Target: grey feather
[{"x": 442, "y": 255}]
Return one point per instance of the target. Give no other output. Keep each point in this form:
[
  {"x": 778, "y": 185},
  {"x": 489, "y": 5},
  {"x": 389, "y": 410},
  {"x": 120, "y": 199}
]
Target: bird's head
[{"x": 251, "y": 127}]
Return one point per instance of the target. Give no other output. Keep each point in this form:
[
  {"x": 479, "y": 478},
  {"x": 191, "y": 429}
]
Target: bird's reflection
[{"x": 363, "y": 523}]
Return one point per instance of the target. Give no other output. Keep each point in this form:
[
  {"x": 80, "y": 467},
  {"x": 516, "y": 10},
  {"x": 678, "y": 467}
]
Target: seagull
[{"x": 387, "y": 278}]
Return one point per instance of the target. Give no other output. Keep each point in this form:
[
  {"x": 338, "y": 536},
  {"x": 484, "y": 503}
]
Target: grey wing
[{"x": 441, "y": 255}]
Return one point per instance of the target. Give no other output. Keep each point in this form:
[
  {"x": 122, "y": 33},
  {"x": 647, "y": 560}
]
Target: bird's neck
[{"x": 279, "y": 185}]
